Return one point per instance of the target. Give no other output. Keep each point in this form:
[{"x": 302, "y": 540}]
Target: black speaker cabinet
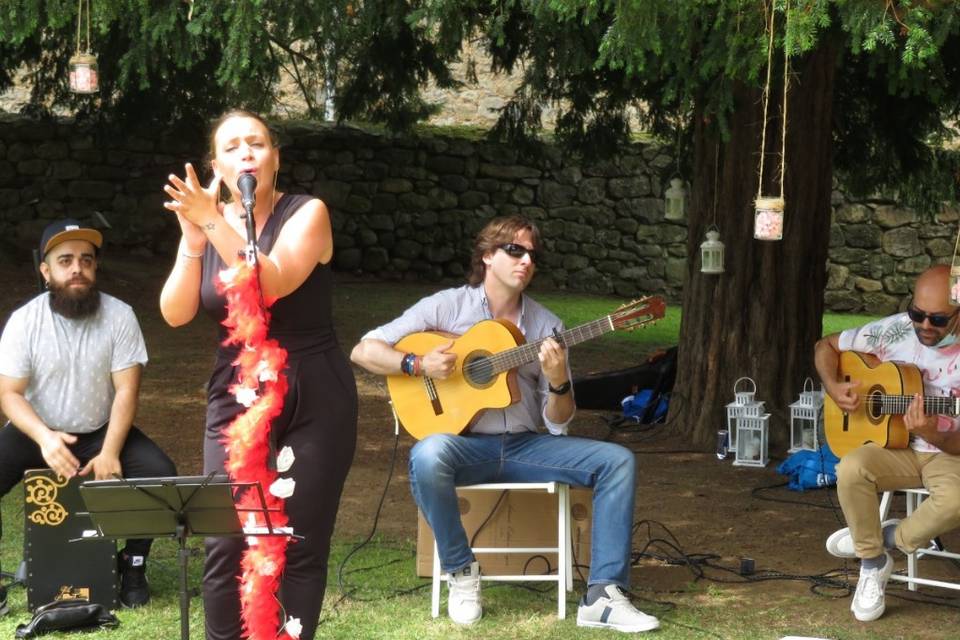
[{"x": 58, "y": 569}]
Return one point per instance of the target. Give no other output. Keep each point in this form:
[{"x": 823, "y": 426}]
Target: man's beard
[{"x": 73, "y": 304}]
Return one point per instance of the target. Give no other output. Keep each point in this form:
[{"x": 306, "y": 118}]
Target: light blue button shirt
[{"x": 455, "y": 311}]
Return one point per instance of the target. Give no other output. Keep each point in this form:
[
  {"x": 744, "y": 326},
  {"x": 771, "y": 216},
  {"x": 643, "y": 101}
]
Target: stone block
[
  {"x": 853, "y": 213},
  {"x": 902, "y": 242},
  {"x": 862, "y": 236},
  {"x": 914, "y": 265},
  {"x": 891, "y": 217}
]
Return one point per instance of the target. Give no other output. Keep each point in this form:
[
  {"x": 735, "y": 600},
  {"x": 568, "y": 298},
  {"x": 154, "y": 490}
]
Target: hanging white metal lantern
[
  {"x": 675, "y": 200},
  {"x": 806, "y": 419},
  {"x": 711, "y": 252},
  {"x": 753, "y": 428},
  {"x": 742, "y": 397}
]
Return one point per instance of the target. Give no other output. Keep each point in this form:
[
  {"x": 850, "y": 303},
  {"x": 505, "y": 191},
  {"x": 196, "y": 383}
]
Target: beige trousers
[{"x": 870, "y": 469}]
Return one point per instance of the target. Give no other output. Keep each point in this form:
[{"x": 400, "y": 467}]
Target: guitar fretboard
[
  {"x": 893, "y": 405},
  {"x": 512, "y": 358}
]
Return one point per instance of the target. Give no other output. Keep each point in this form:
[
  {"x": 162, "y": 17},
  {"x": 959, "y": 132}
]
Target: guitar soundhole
[
  {"x": 478, "y": 369},
  {"x": 875, "y": 405}
]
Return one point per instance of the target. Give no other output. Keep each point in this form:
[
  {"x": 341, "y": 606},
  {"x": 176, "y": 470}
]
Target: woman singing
[{"x": 319, "y": 418}]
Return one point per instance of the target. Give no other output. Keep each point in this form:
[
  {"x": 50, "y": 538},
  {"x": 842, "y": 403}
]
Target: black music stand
[{"x": 173, "y": 507}]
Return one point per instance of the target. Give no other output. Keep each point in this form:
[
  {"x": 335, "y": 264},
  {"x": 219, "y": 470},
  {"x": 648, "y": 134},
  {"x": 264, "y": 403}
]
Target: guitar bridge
[{"x": 432, "y": 394}]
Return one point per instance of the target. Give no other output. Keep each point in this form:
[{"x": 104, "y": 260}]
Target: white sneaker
[
  {"x": 869, "y": 602},
  {"x": 464, "y": 605},
  {"x": 614, "y": 611},
  {"x": 840, "y": 542}
]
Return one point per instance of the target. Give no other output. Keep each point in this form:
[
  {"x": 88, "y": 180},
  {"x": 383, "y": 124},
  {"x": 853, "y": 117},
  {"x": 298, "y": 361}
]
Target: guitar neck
[
  {"x": 897, "y": 405},
  {"x": 519, "y": 356}
]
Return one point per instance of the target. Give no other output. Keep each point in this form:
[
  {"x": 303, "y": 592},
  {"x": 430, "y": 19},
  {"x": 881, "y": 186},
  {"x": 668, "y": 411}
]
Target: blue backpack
[
  {"x": 810, "y": 469},
  {"x": 646, "y": 407}
]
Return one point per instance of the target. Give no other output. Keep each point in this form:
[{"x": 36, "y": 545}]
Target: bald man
[{"x": 925, "y": 335}]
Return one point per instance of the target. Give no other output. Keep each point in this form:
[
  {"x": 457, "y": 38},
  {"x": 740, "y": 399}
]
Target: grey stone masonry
[{"x": 408, "y": 207}]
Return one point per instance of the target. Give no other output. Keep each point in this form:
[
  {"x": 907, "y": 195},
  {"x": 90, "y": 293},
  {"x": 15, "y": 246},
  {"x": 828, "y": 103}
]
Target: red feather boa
[{"x": 261, "y": 385}]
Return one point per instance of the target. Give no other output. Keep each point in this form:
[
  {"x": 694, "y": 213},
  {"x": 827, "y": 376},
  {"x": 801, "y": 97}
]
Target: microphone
[{"x": 247, "y": 184}]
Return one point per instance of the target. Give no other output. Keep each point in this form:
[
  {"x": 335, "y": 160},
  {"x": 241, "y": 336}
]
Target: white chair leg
[
  {"x": 563, "y": 548},
  {"x": 435, "y": 595},
  {"x": 885, "y": 504}
]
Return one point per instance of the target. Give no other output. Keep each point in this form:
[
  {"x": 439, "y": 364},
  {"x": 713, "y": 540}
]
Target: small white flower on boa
[
  {"x": 283, "y": 487},
  {"x": 227, "y": 275},
  {"x": 293, "y": 627},
  {"x": 246, "y": 396},
  {"x": 265, "y": 373},
  {"x": 267, "y": 568},
  {"x": 285, "y": 459}
]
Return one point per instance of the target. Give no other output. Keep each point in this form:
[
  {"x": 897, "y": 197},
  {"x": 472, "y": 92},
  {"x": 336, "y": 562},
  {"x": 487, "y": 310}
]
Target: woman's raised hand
[{"x": 190, "y": 200}]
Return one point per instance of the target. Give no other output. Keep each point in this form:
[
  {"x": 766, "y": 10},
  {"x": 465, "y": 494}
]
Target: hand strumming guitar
[
  {"x": 844, "y": 394},
  {"x": 437, "y": 363}
]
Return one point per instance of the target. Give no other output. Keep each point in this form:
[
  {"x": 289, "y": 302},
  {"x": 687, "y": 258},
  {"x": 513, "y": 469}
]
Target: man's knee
[
  {"x": 431, "y": 454},
  {"x": 852, "y": 468},
  {"x": 621, "y": 461}
]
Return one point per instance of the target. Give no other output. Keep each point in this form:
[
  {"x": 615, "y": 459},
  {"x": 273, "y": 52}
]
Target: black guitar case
[{"x": 606, "y": 389}]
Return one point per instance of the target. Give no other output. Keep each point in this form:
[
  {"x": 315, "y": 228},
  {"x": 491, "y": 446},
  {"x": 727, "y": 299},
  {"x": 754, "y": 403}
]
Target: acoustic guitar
[
  {"x": 484, "y": 376},
  {"x": 886, "y": 390}
]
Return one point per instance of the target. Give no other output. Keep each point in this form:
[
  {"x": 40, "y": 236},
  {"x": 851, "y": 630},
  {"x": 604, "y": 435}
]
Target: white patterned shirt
[
  {"x": 893, "y": 339},
  {"x": 69, "y": 362}
]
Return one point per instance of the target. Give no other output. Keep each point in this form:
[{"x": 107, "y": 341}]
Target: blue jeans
[{"x": 440, "y": 463}]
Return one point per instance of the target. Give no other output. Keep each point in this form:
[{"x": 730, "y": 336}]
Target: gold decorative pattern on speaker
[{"x": 42, "y": 491}]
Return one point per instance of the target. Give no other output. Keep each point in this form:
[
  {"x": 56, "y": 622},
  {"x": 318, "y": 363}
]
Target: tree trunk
[{"x": 762, "y": 316}]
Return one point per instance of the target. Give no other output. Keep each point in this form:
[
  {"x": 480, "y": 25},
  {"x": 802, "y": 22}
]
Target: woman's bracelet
[{"x": 191, "y": 255}]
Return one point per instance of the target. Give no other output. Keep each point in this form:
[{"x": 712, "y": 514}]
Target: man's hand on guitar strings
[
  {"x": 553, "y": 362},
  {"x": 917, "y": 421}
]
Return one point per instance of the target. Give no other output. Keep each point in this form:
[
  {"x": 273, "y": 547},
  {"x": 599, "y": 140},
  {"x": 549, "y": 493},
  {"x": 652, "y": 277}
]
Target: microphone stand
[{"x": 250, "y": 250}]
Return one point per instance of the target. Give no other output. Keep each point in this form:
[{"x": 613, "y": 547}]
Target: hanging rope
[
  {"x": 86, "y": 46},
  {"x": 786, "y": 85},
  {"x": 766, "y": 101}
]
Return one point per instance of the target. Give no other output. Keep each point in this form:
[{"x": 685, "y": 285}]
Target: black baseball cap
[{"x": 68, "y": 229}]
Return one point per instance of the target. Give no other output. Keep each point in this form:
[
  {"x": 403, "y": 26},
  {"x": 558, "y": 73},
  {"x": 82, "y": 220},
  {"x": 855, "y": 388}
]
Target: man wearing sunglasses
[
  {"x": 926, "y": 336},
  {"x": 506, "y": 445}
]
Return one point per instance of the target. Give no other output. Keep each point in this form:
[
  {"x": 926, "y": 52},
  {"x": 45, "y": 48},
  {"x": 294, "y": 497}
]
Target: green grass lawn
[{"x": 383, "y": 598}]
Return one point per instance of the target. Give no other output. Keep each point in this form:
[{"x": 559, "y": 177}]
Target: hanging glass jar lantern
[
  {"x": 84, "y": 74},
  {"x": 675, "y": 200},
  {"x": 711, "y": 252},
  {"x": 768, "y": 219}
]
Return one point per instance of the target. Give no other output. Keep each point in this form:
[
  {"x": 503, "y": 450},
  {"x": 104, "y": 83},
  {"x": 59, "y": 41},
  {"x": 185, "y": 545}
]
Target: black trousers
[
  {"x": 139, "y": 458},
  {"x": 319, "y": 423}
]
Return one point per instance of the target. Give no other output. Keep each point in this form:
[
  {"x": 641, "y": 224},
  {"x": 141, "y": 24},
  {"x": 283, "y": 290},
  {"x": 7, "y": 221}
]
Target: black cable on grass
[{"x": 344, "y": 593}]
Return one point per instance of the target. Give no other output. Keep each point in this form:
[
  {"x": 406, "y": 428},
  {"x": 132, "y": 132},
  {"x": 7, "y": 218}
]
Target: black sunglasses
[
  {"x": 515, "y": 250},
  {"x": 939, "y": 320}
]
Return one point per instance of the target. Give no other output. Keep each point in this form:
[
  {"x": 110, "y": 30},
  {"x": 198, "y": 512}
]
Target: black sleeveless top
[{"x": 302, "y": 321}]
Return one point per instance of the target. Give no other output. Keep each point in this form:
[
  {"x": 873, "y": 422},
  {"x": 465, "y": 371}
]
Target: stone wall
[
  {"x": 408, "y": 207},
  {"x": 876, "y": 251}
]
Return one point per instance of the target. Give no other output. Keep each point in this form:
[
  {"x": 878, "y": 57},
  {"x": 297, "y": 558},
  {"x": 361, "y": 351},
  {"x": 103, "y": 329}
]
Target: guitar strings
[{"x": 526, "y": 353}]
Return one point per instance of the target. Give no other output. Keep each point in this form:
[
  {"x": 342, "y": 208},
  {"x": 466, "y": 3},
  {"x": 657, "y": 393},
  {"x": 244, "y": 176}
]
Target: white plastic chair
[{"x": 564, "y": 576}]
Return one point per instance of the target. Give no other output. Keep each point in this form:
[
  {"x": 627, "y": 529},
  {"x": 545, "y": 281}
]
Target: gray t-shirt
[
  {"x": 455, "y": 311},
  {"x": 69, "y": 362}
]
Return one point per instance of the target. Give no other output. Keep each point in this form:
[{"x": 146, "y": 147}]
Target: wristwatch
[{"x": 562, "y": 389}]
